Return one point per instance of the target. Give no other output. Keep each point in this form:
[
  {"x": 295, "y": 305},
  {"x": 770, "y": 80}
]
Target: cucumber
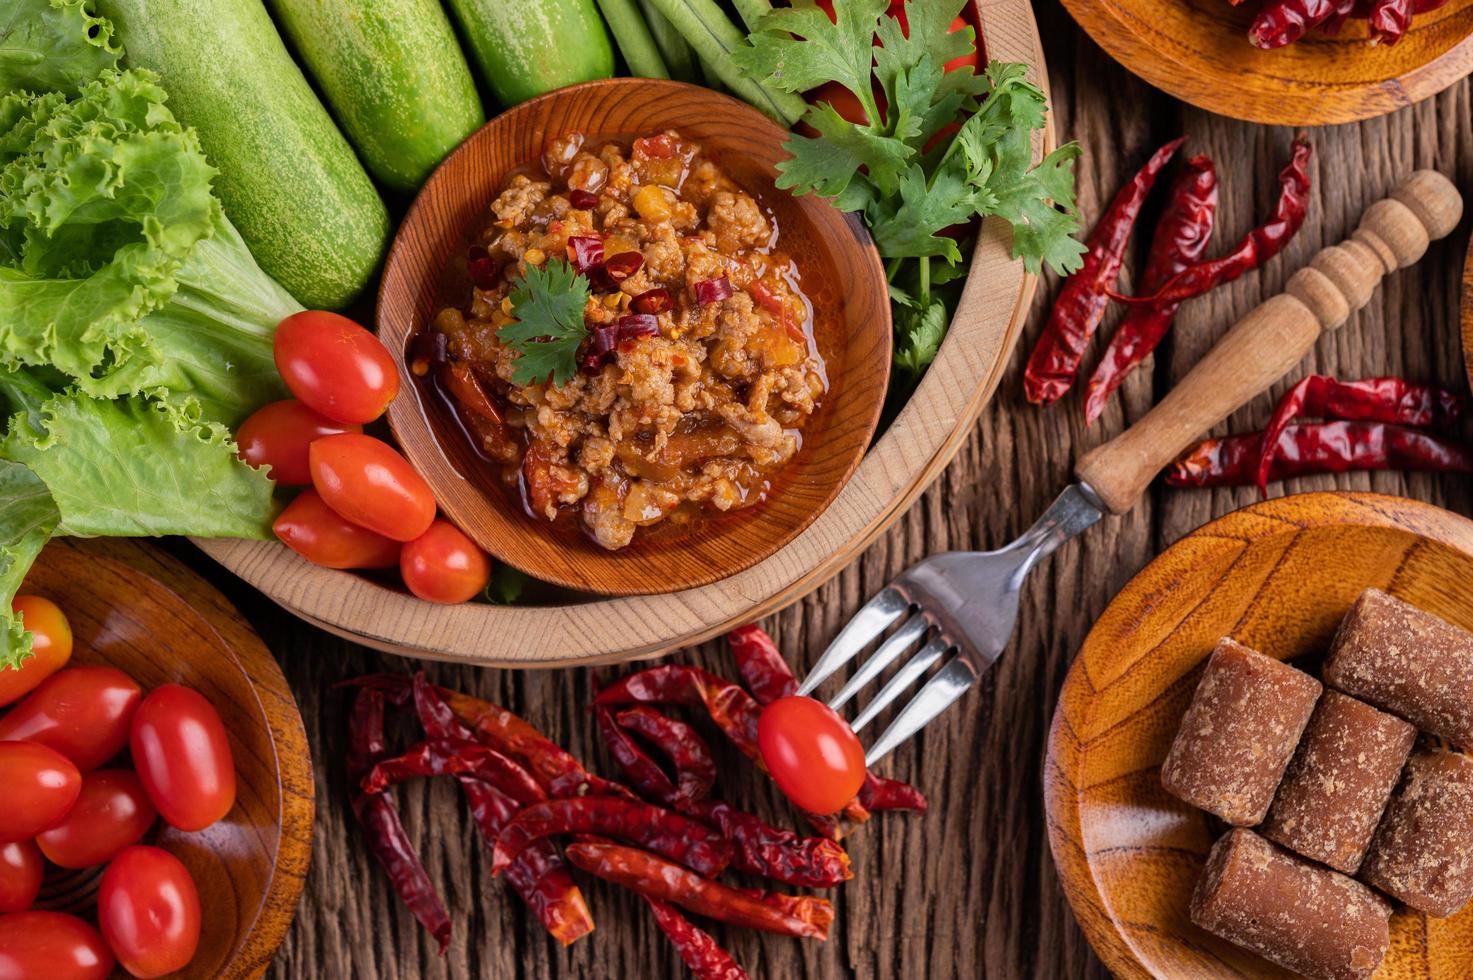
[
  {"x": 288, "y": 179},
  {"x": 393, "y": 76},
  {"x": 527, "y": 47}
]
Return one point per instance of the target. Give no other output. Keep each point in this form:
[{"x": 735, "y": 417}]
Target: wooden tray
[
  {"x": 912, "y": 453},
  {"x": 1198, "y": 51},
  {"x": 1277, "y": 576}
]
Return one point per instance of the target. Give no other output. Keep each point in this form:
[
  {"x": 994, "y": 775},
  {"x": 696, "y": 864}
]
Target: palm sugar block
[
  {"x": 1239, "y": 733},
  {"x": 1337, "y": 784},
  {"x": 1300, "y": 915},
  {"x": 1408, "y": 662},
  {"x": 1422, "y": 853}
]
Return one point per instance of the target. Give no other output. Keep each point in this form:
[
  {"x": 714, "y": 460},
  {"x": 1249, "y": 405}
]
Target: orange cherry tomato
[
  {"x": 112, "y": 812},
  {"x": 53, "y": 946},
  {"x": 41, "y": 785},
  {"x": 21, "y": 871},
  {"x": 316, "y": 532},
  {"x": 366, "y": 481},
  {"x": 812, "y": 753},
  {"x": 51, "y": 647},
  {"x": 444, "y": 565},
  {"x": 335, "y": 366},
  {"x": 277, "y": 437},
  {"x": 183, "y": 757},
  {"x": 148, "y": 908},
  {"x": 81, "y": 712}
]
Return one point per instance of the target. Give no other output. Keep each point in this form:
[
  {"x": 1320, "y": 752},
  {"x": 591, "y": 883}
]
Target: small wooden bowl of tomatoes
[{"x": 158, "y": 801}]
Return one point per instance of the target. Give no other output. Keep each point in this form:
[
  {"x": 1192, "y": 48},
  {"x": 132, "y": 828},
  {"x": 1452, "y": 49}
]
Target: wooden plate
[
  {"x": 1466, "y": 313},
  {"x": 134, "y": 608},
  {"x": 912, "y": 453},
  {"x": 1277, "y": 576},
  {"x": 1198, "y": 51}
]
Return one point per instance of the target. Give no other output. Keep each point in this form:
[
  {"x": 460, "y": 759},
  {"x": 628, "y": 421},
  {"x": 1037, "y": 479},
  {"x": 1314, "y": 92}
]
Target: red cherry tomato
[
  {"x": 148, "y": 909},
  {"x": 112, "y": 812},
  {"x": 277, "y": 436},
  {"x": 316, "y": 532},
  {"x": 366, "y": 481},
  {"x": 812, "y": 753},
  {"x": 335, "y": 366},
  {"x": 53, "y": 946},
  {"x": 51, "y": 647},
  {"x": 443, "y": 565},
  {"x": 81, "y": 712},
  {"x": 41, "y": 785},
  {"x": 183, "y": 757},
  {"x": 21, "y": 871}
]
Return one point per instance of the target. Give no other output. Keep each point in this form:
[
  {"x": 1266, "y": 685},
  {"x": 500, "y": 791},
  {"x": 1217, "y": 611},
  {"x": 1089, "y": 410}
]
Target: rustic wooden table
[{"x": 968, "y": 890}]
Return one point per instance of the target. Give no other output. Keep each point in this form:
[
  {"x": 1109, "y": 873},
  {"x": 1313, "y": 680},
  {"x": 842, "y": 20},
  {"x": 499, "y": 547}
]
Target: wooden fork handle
[{"x": 1268, "y": 342}]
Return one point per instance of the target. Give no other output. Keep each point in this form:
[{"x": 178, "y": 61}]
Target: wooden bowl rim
[
  {"x": 1284, "y": 103},
  {"x": 1061, "y": 771},
  {"x": 1465, "y": 310},
  {"x": 915, "y": 449},
  {"x": 598, "y": 571}
]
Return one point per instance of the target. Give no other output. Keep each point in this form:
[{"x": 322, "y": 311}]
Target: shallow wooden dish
[
  {"x": 1465, "y": 310},
  {"x": 841, "y": 273},
  {"x": 902, "y": 463},
  {"x": 1277, "y": 576},
  {"x": 1198, "y": 51},
  {"x": 135, "y": 608}
]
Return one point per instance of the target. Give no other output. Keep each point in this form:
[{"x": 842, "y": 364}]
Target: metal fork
[{"x": 960, "y": 606}]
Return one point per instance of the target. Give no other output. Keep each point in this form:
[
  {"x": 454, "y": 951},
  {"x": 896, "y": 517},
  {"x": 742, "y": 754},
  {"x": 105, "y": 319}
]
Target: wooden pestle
[{"x": 1267, "y": 343}]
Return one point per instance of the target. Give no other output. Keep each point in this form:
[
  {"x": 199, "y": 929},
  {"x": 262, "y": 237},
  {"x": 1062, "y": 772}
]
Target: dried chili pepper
[
  {"x": 649, "y": 780},
  {"x": 1389, "y": 20},
  {"x": 1282, "y": 22},
  {"x": 379, "y": 818},
  {"x": 1180, "y": 238},
  {"x": 762, "y": 666},
  {"x": 454, "y": 757},
  {"x": 1319, "y": 447},
  {"x": 539, "y": 874},
  {"x": 695, "y": 770},
  {"x": 664, "y": 832},
  {"x": 647, "y": 874},
  {"x": 732, "y": 708},
  {"x": 761, "y": 849},
  {"x": 1257, "y": 247},
  {"x": 1084, "y": 296},
  {"x": 879, "y": 793},
  {"x": 697, "y": 949},
  {"x": 1391, "y": 399}
]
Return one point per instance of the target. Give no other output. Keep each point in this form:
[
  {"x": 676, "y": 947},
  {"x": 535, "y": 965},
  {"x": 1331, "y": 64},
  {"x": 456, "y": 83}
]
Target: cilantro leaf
[
  {"x": 795, "y": 49},
  {"x": 918, "y": 337},
  {"x": 908, "y": 226},
  {"x": 826, "y": 165},
  {"x": 548, "y": 305}
]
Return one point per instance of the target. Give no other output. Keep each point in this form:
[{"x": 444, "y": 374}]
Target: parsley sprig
[
  {"x": 908, "y": 190},
  {"x": 548, "y": 304}
]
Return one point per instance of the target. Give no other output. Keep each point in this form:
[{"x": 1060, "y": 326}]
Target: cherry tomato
[
  {"x": 366, "y": 481},
  {"x": 148, "y": 909},
  {"x": 812, "y": 753},
  {"x": 51, "y": 647},
  {"x": 41, "y": 785},
  {"x": 183, "y": 757},
  {"x": 277, "y": 436},
  {"x": 335, "y": 366},
  {"x": 112, "y": 812},
  {"x": 316, "y": 532},
  {"x": 443, "y": 565},
  {"x": 53, "y": 946},
  {"x": 81, "y": 712},
  {"x": 21, "y": 871}
]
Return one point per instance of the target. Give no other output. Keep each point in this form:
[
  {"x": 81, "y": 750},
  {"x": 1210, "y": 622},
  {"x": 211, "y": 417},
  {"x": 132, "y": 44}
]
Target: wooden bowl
[
  {"x": 1277, "y": 576},
  {"x": 1198, "y": 51},
  {"x": 134, "y": 608},
  {"x": 910, "y": 454},
  {"x": 1466, "y": 313},
  {"x": 841, "y": 272}
]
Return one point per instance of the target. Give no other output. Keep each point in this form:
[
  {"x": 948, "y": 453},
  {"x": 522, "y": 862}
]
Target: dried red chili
[
  {"x": 1180, "y": 238},
  {"x": 1282, "y": 22},
  {"x": 1319, "y": 447},
  {"x": 1390, "y": 399},
  {"x": 664, "y": 832},
  {"x": 732, "y": 708},
  {"x": 879, "y": 793},
  {"x": 647, "y": 874},
  {"x": 378, "y": 817},
  {"x": 761, "y": 849},
  {"x": 1388, "y": 21},
  {"x": 649, "y": 780},
  {"x": 1084, "y": 296},
  {"x": 763, "y": 668},
  {"x": 455, "y": 757},
  {"x": 697, "y": 949},
  {"x": 695, "y": 770},
  {"x": 1257, "y": 247}
]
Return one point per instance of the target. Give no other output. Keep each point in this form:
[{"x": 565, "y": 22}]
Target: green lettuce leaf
[
  {"x": 54, "y": 45},
  {"x": 28, "y": 516}
]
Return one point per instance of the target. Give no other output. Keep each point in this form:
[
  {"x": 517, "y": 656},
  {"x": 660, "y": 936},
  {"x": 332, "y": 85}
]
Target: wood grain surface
[{"x": 968, "y": 891}]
